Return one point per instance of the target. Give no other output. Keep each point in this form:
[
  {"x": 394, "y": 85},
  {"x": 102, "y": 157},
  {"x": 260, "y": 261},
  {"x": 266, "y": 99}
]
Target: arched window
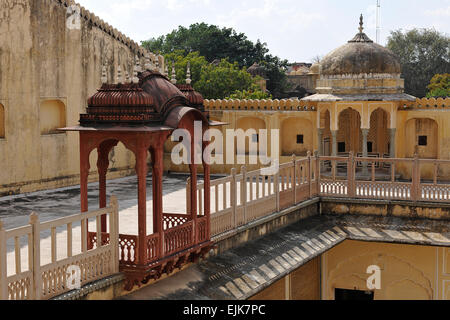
[
  {"x": 2, "y": 121},
  {"x": 52, "y": 116}
]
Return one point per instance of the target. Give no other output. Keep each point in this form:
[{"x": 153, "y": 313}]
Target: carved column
[
  {"x": 84, "y": 173},
  {"x": 392, "y": 132},
  {"x": 141, "y": 170},
  {"x": 102, "y": 167},
  {"x": 157, "y": 180},
  {"x": 334, "y": 142},
  {"x": 365, "y": 134}
]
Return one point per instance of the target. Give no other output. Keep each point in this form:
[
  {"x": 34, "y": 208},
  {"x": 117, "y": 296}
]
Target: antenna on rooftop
[{"x": 378, "y": 21}]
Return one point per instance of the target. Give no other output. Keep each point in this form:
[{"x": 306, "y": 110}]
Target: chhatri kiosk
[
  {"x": 359, "y": 92},
  {"x": 142, "y": 113}
]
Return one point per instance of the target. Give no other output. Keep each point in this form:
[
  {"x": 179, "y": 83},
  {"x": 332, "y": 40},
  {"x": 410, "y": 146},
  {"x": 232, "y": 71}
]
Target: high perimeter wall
[{"x": 50, "y": 63}]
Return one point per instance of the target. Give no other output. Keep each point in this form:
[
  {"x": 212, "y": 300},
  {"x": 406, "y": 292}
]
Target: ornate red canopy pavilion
[{"x": 142, "y": 115}]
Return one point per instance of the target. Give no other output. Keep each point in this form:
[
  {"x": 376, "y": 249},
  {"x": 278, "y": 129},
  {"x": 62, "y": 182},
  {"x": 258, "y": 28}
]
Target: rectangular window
[
  {"x": 341, "y": 147},
  {"x": 369, "y": 147},
  {"x": 423, "y": 140},
  {"x": 300, "y": 139},
  {"x": 353, "y": 295}
]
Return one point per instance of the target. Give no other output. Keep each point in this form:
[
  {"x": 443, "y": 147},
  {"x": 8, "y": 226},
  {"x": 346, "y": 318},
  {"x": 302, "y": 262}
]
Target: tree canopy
[
  {"x": 439, "y": 86},
  {"x": 218, "y": 80},
  {"x": 422, "y": 53},
  {"x": 216, "y": 44}
]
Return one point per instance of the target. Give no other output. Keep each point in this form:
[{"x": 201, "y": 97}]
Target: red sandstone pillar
[
  {"x": 157, "y": 180},
  {"x": 84, "y": 174},
  {"x": 102, "y": 167},
  {"x": 141, "y": 171}
]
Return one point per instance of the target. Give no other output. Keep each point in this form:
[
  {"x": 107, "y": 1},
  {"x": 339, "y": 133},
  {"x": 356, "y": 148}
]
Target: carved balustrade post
[
  {"x": 3, "y": 264},
  {"x": 36, "y": 285},
  {"x": 351, "y": 175},
  {"x": 415, "y": 187},
  {"x": 294, "y": 178},
  {"x": 317, "y": 172},
  {"x": 244, "y": 193},
  {"x": 233, "y": 195}
]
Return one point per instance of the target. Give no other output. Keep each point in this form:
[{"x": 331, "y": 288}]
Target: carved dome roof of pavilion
[
  {"x": 195, "y": 98},
  {"x": 360, "y": 56},
  {"x": 150, "y": 99},
  {"x": 360, "y": 70}
]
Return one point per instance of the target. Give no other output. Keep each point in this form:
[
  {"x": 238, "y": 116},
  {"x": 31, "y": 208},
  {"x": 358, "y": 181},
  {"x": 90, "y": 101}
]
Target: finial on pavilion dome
[
  {"x": 361, "y": 23},
  {"x": 148, "y": 62},
  {"x": 135, "y": 79},
  {"x": 104, "y": 77},
  {"x": 166, "y": 70},
  {"x": 119, "y": 75},
  {"x": 188, "y": 74},
  {"x": 174, "y": 75},
  {"x": 157, "y": 64},
  {"x": 138, "y": 64}
]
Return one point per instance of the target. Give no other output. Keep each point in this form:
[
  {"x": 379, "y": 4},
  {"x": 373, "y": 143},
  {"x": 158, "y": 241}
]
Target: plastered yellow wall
[
  {"x": 430, "y": 117},
  {"x": 407, "y": 271},
  {"x": 43, "y": 63}
]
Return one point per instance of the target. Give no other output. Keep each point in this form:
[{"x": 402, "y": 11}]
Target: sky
[{"x": 297, "y": 30}]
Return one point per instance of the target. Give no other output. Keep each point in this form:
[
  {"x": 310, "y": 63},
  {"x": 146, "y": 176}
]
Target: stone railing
[
  {"x": 37, "y": 267},
  {"x": 298, "y": 105},
  {"x": 236, "y": 104},
  {"x": 242, "y": 198}
]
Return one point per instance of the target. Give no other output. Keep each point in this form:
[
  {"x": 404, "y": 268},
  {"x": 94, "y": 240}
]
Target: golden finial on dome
[{"x": 361, "y": 24}]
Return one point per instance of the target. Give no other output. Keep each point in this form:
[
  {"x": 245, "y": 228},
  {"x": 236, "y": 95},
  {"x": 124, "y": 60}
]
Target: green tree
[
  {"x": 181, "y": 60},
  {"x": 221, "y": 80},
  {"x": 422, "y": 53},
  {"x": 215, "y": 43},
  {"x": 439, "y": 86},
  {"x": 212, "y": 80},
  {"x": 254, "y": 92}
]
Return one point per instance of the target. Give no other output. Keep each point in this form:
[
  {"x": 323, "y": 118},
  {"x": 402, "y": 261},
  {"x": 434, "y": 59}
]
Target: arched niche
[
  {"x": 296, "y": 136},
  {"x": 421, "y": 137},
  {"x": 52, "y": 116}
]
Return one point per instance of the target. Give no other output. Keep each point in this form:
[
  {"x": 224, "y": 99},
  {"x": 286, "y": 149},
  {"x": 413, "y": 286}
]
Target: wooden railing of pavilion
[{"x": 242, "y": 198}]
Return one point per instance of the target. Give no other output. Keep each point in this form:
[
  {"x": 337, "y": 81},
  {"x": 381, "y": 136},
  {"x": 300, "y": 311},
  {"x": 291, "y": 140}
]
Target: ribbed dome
[
  {"x": 360, "y": 56},
  {"x": 120, "y": 95},
  {"x": 194, "y": 97}
]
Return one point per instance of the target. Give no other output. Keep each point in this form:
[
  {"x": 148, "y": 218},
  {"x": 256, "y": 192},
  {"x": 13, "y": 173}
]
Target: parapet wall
[{"x": 299, "y": 105}]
